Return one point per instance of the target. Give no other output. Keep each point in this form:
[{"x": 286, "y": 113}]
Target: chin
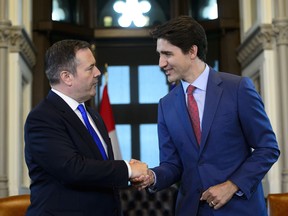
[
  {"x": 171, "y": 79},
  {"x": 92, "y": 94}
]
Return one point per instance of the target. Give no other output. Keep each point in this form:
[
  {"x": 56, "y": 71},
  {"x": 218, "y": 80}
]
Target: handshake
[{"x": 141, "y": 176}]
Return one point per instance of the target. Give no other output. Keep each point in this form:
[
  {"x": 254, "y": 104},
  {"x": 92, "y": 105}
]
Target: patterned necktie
[
  {"x": 92, "y": 131},
  {"x": 194, "y": 112}
]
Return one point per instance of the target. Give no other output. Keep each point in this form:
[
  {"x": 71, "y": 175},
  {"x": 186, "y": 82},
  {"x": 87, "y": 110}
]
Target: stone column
[
  {"x": 280, "y": 25},
  {"x": 4, "y": 51}
]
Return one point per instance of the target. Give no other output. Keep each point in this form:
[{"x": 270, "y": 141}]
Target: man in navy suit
[
  {"x": 69, "y": 175},
  {"x": 220, "y": 173}
]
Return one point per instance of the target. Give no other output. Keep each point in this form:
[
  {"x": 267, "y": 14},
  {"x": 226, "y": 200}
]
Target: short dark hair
[
  {"x": 62, "y": 56},
  {"x": 183, "y": 32}
]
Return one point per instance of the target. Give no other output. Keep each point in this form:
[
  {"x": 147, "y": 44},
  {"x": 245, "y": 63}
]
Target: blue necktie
[{"x": 92, "y": 131}]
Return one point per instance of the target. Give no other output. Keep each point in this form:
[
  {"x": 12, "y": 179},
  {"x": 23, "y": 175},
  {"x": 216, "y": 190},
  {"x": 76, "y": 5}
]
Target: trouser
[{"x": 204, "y": 209}]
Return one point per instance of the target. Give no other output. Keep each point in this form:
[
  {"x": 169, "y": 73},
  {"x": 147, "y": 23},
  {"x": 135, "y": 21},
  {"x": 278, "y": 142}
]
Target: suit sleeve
[
  {"x": 170, "y": 168},
  {"x": 259, "y": 136},
  {"x": 56, "y": 150}
]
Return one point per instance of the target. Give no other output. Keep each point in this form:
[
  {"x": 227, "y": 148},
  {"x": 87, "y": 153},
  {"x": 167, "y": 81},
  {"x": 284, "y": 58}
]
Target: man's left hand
[{"x": 218, "y": 195}]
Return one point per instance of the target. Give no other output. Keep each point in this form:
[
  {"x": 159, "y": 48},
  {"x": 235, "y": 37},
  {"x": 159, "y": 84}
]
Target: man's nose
[{"x": 162, "y": 62}]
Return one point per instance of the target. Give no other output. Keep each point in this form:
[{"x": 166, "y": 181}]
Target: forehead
[
  {"x": 85, "y": 56},
  {"x": 164, "y": 45}
]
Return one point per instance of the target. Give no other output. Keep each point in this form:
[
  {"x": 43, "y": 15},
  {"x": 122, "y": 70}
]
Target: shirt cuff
[
  {"x": 152, "y": 188},
  {"x": 129, "y": 169},
  {"x": 239, "y": 193}
]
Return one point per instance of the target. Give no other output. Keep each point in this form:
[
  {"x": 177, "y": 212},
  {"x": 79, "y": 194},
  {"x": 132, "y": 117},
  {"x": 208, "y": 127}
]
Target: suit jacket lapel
[
  {"x": 102, "y": 131},
  {"x": 182, "y": 112},
  {"x": 213, "y": 95},
  {"x": 75, "y": 122}
]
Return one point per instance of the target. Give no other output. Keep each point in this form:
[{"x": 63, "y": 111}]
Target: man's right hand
[
  {"x": 138, "y": 168},
  {"x": 143, "y": 181}
]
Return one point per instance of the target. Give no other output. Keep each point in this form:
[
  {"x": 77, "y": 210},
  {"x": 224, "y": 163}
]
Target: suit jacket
[
  {"x": 234, "y": 122},
  {"x": 68, "y": 175}
]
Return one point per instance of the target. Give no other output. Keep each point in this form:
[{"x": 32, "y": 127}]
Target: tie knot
[{"x": 190, "y": 89}]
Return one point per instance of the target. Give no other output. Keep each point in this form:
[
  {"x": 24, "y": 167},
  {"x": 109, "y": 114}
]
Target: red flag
[{"x": 107, "y": 115}]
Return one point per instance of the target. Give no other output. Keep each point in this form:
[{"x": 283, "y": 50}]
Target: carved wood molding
[
  {"x": 16, "y": 39},
  {"x": 280, "y": 27},
  {"x": 261, "y": 39}
]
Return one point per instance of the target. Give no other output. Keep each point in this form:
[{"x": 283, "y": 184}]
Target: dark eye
[{"x": 91, "y": 67}]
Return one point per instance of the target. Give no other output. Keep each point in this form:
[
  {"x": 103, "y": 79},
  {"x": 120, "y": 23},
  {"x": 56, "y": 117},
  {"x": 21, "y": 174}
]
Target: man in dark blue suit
[
  {"x": 69, "y": 174},
  {"x": 220, "y": 163}
]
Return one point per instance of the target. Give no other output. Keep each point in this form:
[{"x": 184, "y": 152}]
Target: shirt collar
[
  {"x": 70, "y": 101},
  {"x": 200, "y": 83}
]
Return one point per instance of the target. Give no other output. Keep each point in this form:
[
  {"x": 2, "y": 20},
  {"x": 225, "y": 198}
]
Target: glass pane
[
  {"x": 67, "y": 11},
  {"x": 113, "y": 13},
  {"x": 124, "y": 138},
  {"x": 118, "y": 84},
  {"x": 204, "y": 9},
  {"x": 152, "y": 84},
  {"x": 59, "y": 11},
  {"x": 149, "y": 149}
]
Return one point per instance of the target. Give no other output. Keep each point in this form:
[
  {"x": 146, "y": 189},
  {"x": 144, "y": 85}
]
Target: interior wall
[{"x": 263, "y": 51}]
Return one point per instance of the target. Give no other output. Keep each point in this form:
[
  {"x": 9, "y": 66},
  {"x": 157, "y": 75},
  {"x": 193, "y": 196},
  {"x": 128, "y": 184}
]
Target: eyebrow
[
  {"x": 164, "y": 52},
  {"x": 91, "y": 65}
]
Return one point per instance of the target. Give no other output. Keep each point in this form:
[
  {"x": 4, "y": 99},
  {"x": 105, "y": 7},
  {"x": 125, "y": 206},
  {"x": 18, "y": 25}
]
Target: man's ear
[
  {"x": 66, "y": 77},
  {"x": 193, "y": 51}
]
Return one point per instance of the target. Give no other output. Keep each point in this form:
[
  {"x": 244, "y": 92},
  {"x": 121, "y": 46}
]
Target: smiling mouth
[{"x": 167, "y": 72}]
